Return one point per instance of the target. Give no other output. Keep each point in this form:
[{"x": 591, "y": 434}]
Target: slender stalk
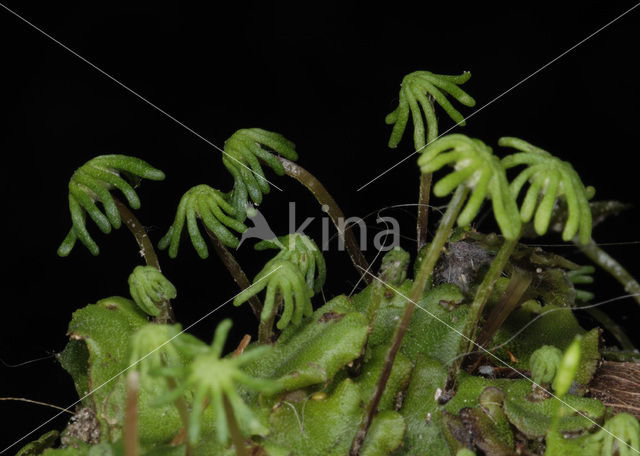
[
  {"x": 147, "y": 251},
  {"x": 324, "y": 197},
  {"x": 609, "y": 264},
  {"x": 477, "y": 306},
  {"x": 138, "y": 231},
  {"x": 234, "y": 430},
  {"x": 131, "y": 415},
  {"x": 235, "y": 270},
  {"x": 265, "y": 329},
  {"x": 423, "y": 210},
  {"x": 512, "y": 297},
  {"x": 614, "y": 328},
  {"x": 426, "y": 269}
]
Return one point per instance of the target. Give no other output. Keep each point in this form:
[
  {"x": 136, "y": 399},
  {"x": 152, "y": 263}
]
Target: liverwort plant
[
  {"x": 362, "y": 374},
  {"x": 91, "y": 183},
  {"x": 215, "y": 379},
  {"x": 418, "y": 90}
]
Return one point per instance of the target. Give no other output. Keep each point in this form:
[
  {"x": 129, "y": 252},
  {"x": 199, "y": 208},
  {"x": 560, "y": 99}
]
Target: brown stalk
[
  {"x": 234, "y": 430},
  {"x": 235, "y": 270},
  {"x": 423, "y": 210},
  {"x": 147, "y": 251},
  {"x": 335, "y": 213}
]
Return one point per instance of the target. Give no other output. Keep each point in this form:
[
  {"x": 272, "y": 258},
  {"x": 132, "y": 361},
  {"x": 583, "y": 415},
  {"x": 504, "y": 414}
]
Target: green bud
[
  {"x": 544, "y": 363},
  {"x": 568, "y": 367}
]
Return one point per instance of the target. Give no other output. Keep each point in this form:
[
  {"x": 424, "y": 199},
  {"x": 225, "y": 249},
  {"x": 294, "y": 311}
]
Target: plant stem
[
  {"x": 477, "y": 306},
  {"x": 424, "y": 273},
  {"x": 324, "y": 198},
  {"x": 138, "y": 231},
  {"x": 235, "y": 270},
  {"x": 609, "y": 264},
  {"x": 614, "y": 328},
  {"x": 423, "y": 210},
  {"x": 147, "y": 251},
  {"x": 512, "y": 297},
  {"x": 131, "y": 415},
  {"x": 234, "y": 430},
  {"x": 265, "y": 329}
]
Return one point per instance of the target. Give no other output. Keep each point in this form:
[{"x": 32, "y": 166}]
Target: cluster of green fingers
[
  {"x": 214, "y": 379},
  {"x": 544, "y": 363},
  {"x": 92, "y": 183},
  {"x": 415, "y": 89},
  {"x": 550, "y": 178},
  {"x": 304, "y": 253},
  {"x": 283, "y": 281},
  {"x": 242, "y": 154},
  {"x": 149, "y": 289},
  {"x": 477, "y": 168},
  {"x": 217, "y": 214}
]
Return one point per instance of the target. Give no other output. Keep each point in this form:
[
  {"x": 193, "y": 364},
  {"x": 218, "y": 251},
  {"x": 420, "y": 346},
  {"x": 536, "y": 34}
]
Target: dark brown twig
[
  {"x": 147, "y": 251},
  {"x": 235, "y": 270},
  {"x": 234, "y": 429},
  {"x": 423, "y": 210},
  {"x": 335, "y": 213}
]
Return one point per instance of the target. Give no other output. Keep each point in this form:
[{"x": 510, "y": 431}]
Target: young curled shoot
[
  {"x": 91, "y": 184},
  {"x": 478, "y": 169},
  {"x": 304, "y": 253},
  {"x": 150, "y": 290},
  {"x": 215, "y": 379},
  {"x": 285, "y": 283},
  {"x": 550, "y": 179},
  {"x": 218, "y": 215},
  {"x": 544, "y": 363},
  {"x": 242, "y": 154},
  {"x": 415, "y": 89}
]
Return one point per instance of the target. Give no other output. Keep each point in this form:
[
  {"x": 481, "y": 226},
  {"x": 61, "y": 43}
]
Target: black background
[{"x": 324, "y": 75}]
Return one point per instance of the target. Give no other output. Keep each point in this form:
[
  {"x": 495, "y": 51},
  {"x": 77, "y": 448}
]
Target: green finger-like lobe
[
  {"x": 222, "y": 331},
  {"x": 79, "y": 227},
  {"x": 254, "y": 164},
  {"x": 441, "y": 99},
  {"x": 429, "y": 114},
  {"x": 448, "y": 183},
  {"x": 545, "y": 209},
  {"x": 103, "y": 194},
  {"x": 196, "y": 414},
  {"x": 275, "y": 141},
  {"x": 400, "y": 123},
  {"x": 267, "y": 157},
  {"x": 572, "y": 223},
  {"x": 521, "y": 179},
  {"x": 433, "y": 164},
  {"x": 474, "y": 203},
  {"x": 531, "y": 199},
  {"x": 416, "y": 116},
  {"x": 285, "y": 291},
  {"x": 222, "y": 429},
  {"x": 115, "y": 181},
  {"x": 132, "y": 165},
  {"x": 451, "y": 88},
  {"x": 90, "y": 207},
  {"x": 505, "y": 209},
  {"x": 254, "y": 289},
  {"x": 67, "y": 244},
  {"x": 178, "y": 226},
  {"x": 194, "y": 233},
  {"x": 456, "y": 78},
  {"x": 206, "y": 214}
]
